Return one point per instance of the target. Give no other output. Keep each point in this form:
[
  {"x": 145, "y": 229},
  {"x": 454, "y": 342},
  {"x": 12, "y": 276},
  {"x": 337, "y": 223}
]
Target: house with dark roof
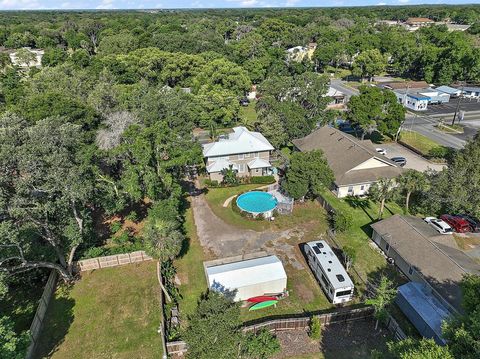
[
  {"x": 246, "y": 152},
  {"x": 426, "y": 257},
  {"x": 356, "y": 164}
]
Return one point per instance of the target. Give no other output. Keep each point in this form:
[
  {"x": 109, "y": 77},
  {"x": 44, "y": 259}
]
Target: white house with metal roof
[
  {"x": 244, "y": 279},
  {"x": 247, "y": 152}
]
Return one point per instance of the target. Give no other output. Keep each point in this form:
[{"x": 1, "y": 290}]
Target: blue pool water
[{"x": 256, "y": 202}]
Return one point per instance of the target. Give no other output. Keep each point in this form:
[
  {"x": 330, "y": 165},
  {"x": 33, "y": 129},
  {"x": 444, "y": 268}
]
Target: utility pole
[{"x": 458, "y": 104}]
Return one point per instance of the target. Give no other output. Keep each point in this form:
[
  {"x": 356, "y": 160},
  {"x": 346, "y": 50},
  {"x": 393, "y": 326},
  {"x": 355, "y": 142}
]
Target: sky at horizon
[{"x": 168, "y": 4}]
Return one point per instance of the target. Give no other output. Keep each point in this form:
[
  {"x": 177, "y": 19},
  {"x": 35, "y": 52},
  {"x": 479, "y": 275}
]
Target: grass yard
[
  {"x": 108, "y": 313},
  {"x": 368, "y": 260},
  {"x": 302, "y": 213},
  {"x": 418, "y": 141},
  {"x": 190, "y": 270},
  {"x": 248, "y": 114}
]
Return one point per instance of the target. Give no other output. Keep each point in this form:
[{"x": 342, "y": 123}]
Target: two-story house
[{"x": 247, "y": 152}]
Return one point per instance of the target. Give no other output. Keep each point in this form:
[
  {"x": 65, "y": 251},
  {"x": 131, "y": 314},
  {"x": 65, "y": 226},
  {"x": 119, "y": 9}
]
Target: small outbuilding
[
  {"x": 244, "y": 279},
  {"x": 423, "y": 309}
]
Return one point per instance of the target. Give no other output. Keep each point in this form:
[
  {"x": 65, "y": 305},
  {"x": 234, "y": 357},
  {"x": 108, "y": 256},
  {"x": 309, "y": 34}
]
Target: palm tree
[
  {"x": 380, "y": 192},
  {"x": 163, "y": 241},
  {"x": 412, "y": 181}
]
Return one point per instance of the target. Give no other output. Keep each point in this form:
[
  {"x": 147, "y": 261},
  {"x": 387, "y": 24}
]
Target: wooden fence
[
  {"x": 178, "y": 349},
  {"x": 112, "y": 261},
  {"x": 37, "y": 323},
  {"x": 395, "y": 329}
]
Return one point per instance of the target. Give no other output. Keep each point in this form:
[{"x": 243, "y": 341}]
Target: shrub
[
  {"x": 315, "y": 330},
  {"x": 342, "y": 221},
  {"x": 115, "y": 226},
  {"x": 262, "y": 180},
  {"x": 259, "y": 217},
  {"x": 261, "y": 345},
  {"x": 211, "y": 183},
  {"x": 123, "y": 238},
  {"x": 438, "y": 152},
  {"x": 132, "y": 216}
]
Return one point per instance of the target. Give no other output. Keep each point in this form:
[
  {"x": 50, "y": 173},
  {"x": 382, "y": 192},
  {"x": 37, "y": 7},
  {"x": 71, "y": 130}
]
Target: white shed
[{"x": 248, "y": 278}]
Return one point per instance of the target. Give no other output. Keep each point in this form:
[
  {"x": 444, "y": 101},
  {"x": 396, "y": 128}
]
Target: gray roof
[
  {"x": 434, "y": 255},
  {"x": 344, "y": 152},
  {"x": 449, "y": 90},
  {"x": 471, "y": 89}
]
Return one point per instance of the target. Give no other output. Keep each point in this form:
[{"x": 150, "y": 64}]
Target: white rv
[{"x": 329, "y": 272}]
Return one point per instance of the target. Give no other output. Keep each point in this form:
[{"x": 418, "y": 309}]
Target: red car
[{"x": 460, "y": 225}]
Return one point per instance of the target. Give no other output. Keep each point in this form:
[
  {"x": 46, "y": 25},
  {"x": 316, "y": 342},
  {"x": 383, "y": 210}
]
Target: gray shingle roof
[
  {"x": 433, "y": 255},
  {"x": 344, "y": 152}
]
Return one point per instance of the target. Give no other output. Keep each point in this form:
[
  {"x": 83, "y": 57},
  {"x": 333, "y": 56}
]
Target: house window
[
  {"x": 257, "y": 154},
  {"x": 362, "y": 187},
  {"x": 350, "y": 189},
  {"x": 247, "y": 155},
  {"x": 387, "y": 247},
  {"x": 241, "y": 167},
  {"x": 241, "y": 156},
  {"x": 410, "y": 270}
]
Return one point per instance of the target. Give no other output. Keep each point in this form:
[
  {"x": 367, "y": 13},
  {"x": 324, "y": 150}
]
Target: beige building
[
  {"x": 356, "y": 164},
  {"x": 245, "y": 151}
]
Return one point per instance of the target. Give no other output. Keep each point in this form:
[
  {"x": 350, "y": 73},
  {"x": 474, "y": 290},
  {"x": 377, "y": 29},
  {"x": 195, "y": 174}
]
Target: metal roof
[
  {"x": 240, "y": 141},
  {"x": 331, "y": 265},
  {"x": 449, "y": 90},
  {"x": 259, "y": 163},
  {"x": 245, "y": 273}
]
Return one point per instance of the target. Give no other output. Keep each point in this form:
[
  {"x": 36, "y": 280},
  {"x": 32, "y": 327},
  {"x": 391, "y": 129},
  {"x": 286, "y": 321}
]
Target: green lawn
[
  {"x": 368, "y": 260},
  {"x": 190, "y": 270},
  {"x": 418, "y": 141},
  {"x": 248, "y": 114},
  {"x": 302, "y": 213},
  {"x": 108, "y": 313}
]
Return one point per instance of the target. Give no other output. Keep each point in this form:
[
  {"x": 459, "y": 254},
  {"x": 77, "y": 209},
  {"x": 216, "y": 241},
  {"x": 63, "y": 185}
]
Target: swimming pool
[{"x": 256, "y": 202}]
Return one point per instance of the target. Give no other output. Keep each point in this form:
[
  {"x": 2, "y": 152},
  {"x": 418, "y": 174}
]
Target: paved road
[
  {"x": 425, "y": 125},
  {"x": 342, "y": 86}
]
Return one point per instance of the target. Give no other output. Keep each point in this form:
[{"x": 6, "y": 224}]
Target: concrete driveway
[{"x": 414, "y": 161}]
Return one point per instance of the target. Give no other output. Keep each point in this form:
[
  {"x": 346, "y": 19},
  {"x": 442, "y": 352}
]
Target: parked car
[
  {"x": 473, "y": 221},
  {"x": 460, "y": 225},
  {"x": 440, "y": 226},
  {"x": 401, "y": 161},
  {"x": 382, "y": 151}
]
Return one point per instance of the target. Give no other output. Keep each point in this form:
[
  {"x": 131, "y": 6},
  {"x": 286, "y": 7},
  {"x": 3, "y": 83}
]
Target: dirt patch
[
  {"x": 304, "y": 292},
  {"x": 466, "y": 242},
  {"x": 339, "y": 341},
  {"x": 295, "y": 343}
]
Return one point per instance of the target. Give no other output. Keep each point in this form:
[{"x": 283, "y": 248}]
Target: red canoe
[{"x": 261, "y": 298}]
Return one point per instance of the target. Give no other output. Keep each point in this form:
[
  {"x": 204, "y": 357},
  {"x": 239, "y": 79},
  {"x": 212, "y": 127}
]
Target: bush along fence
[
  {"x": 112, "y": 261},
  {"x": 37, "y": 323},
  {"x": 178, "y": 349}
]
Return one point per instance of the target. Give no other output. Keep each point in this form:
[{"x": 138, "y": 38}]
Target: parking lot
[
  {"x": 466, "y": 104},
  {"x": 414, "y": 161}
]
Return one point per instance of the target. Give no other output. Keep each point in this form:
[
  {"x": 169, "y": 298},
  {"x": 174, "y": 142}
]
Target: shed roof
[
  {"x": 429, "y": 308},
  {"x": 344, "y": 152},
  {"x": 240, "y": 141},
  {"x": 245, "y": 273}
]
